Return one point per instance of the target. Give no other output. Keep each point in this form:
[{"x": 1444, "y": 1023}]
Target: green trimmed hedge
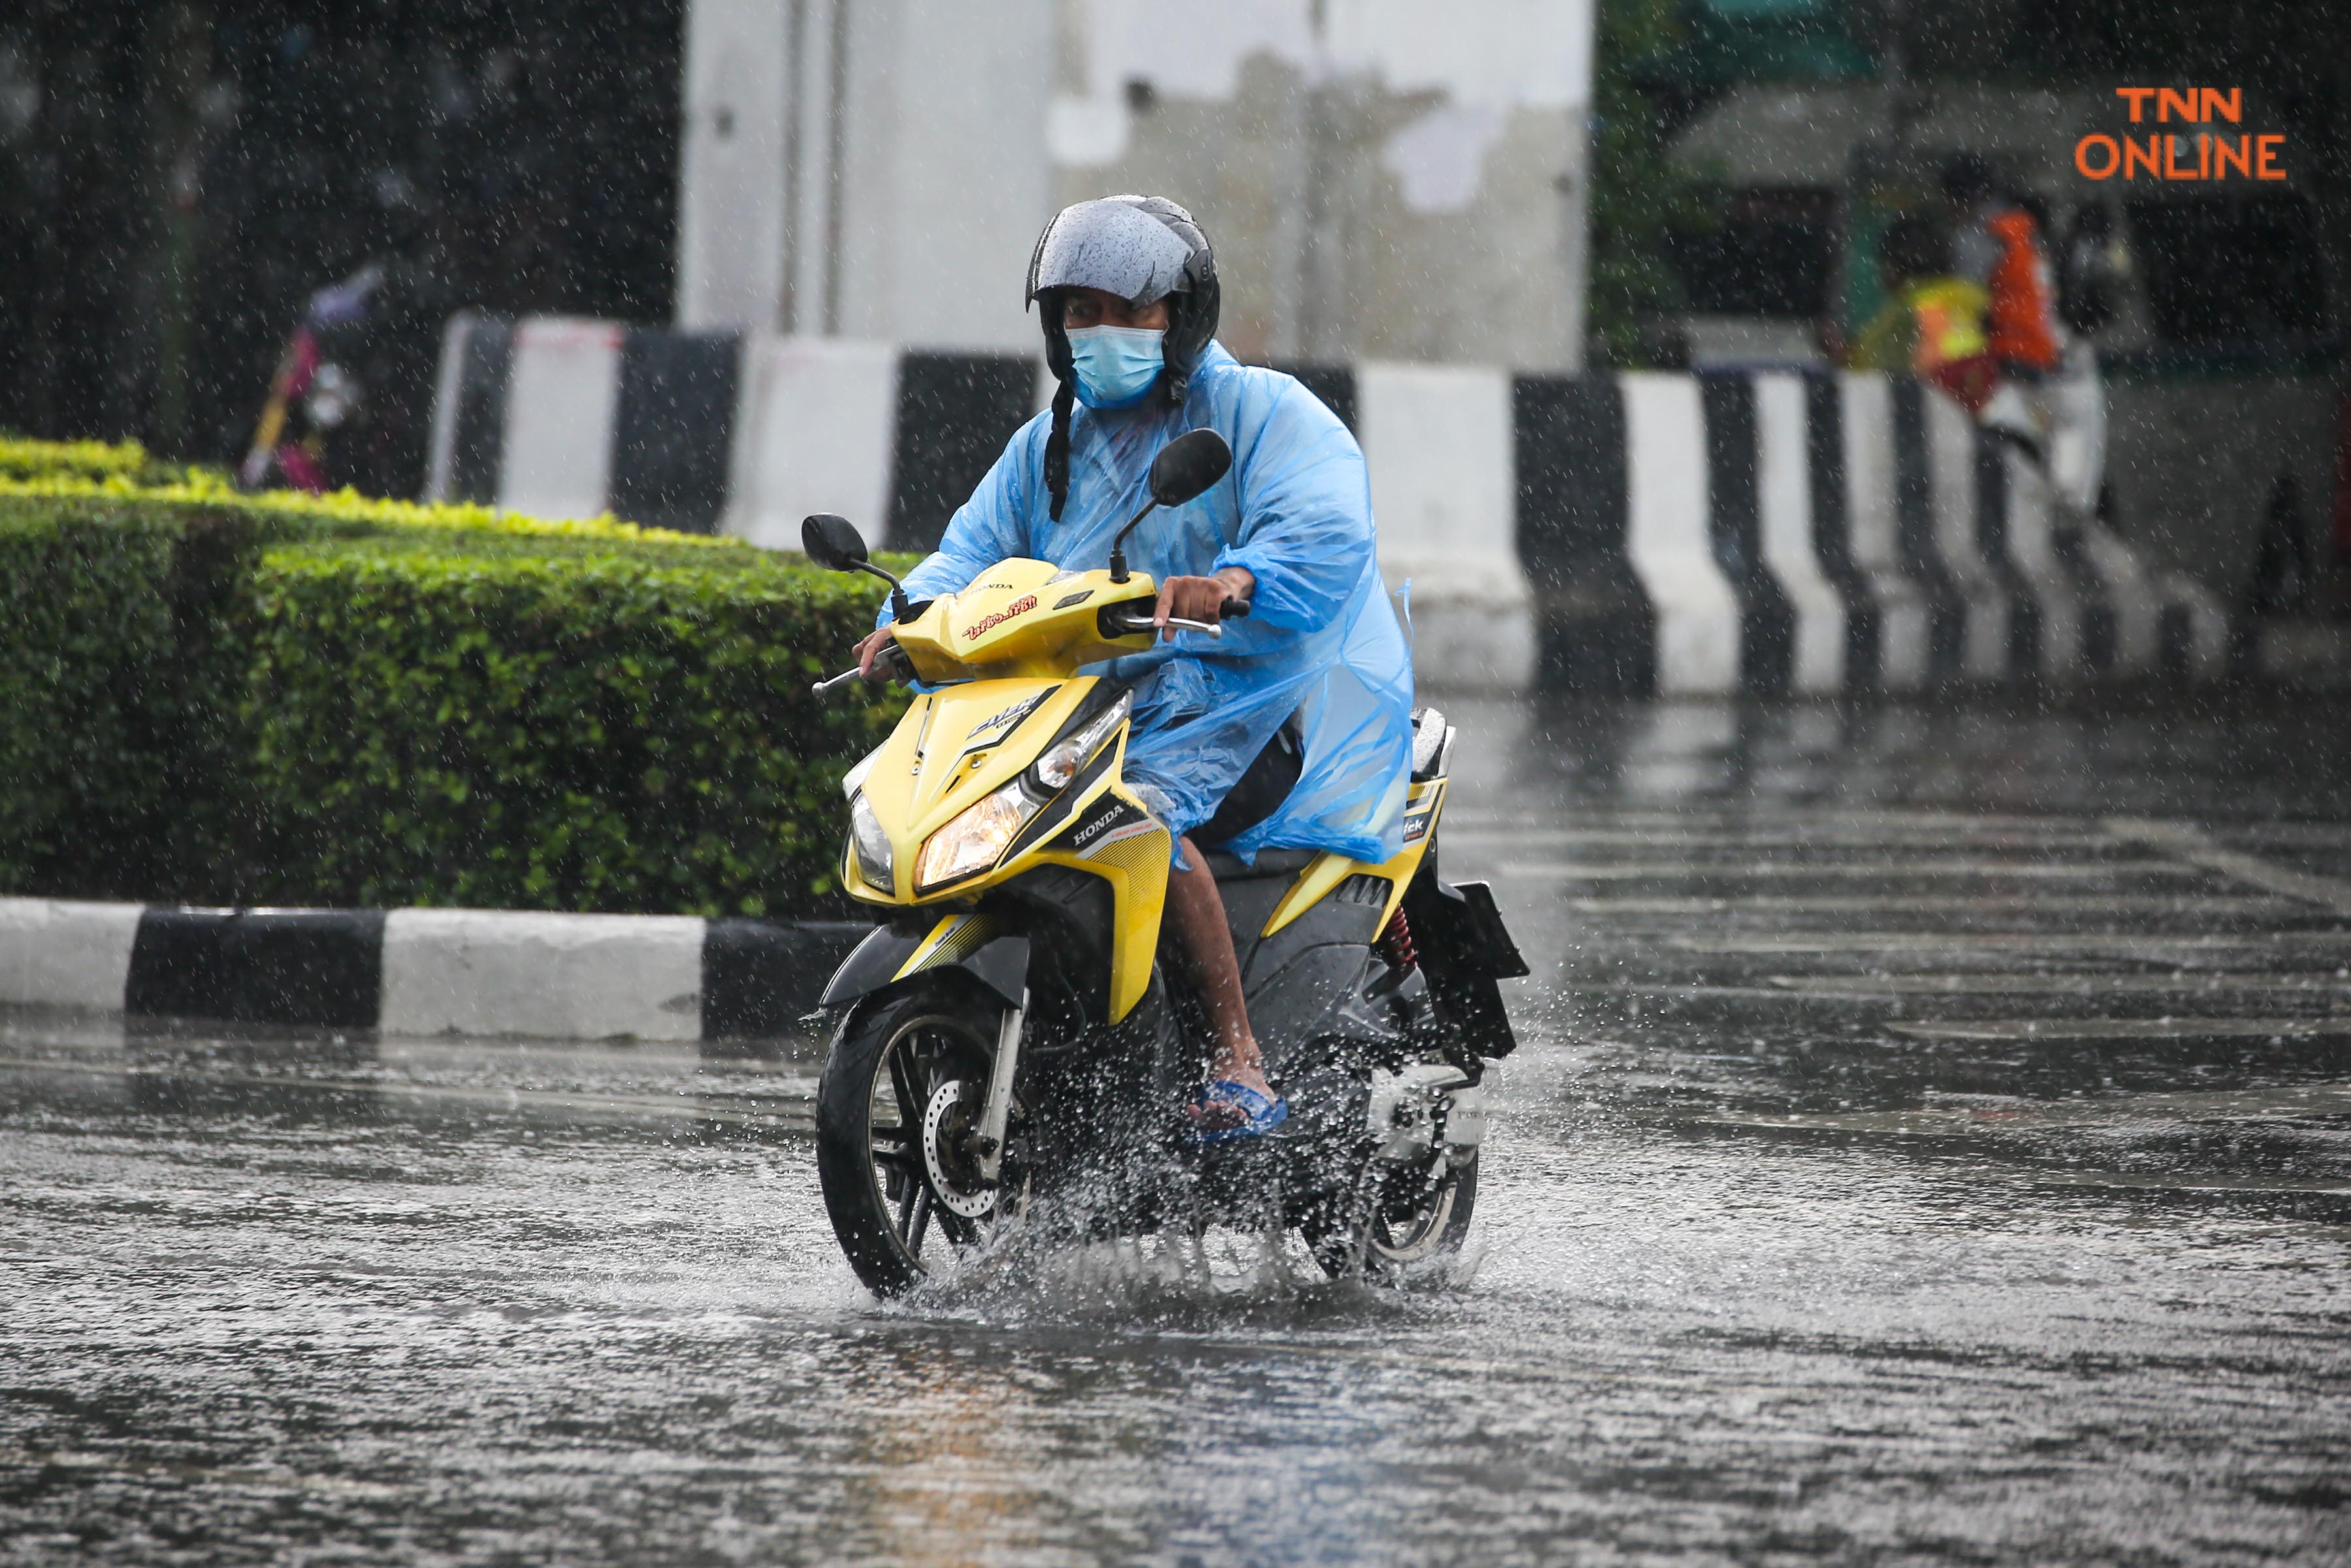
[
  {"x": 218, "y": 701},
  {"x": 118, "y": 666},
  {"x": 25, "y": 460}
]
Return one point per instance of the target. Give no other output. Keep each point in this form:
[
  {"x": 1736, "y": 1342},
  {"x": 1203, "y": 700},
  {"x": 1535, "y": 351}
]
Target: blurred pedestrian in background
[
  {"x": 352, "y": 386},
  {"x": 2049, "y": 398},
  {"x": 312, "y": 399},
  {"x": 1933, "y": 322},
  {"x": 1997, "y": 244},
  {"x": 2041, "y": 317}
]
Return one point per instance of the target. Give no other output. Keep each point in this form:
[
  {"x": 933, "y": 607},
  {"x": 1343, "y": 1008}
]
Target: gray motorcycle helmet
[{"x": 1140, "y": 248}]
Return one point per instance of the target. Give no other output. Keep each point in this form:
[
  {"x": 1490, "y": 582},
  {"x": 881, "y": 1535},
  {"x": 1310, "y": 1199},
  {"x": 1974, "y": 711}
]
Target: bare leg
[{"x": 1206, "y": 943}]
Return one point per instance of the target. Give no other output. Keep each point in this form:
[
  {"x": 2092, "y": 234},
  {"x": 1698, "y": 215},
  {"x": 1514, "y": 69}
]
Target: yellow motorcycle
[{"x": 1007, "y": 1051}]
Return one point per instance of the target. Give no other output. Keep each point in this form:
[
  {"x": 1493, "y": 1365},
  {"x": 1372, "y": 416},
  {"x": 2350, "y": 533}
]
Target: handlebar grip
[{"x": 1234, "y": 609}]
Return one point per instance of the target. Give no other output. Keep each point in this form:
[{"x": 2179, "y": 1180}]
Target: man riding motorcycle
[{"x": 1293, "y": 730}]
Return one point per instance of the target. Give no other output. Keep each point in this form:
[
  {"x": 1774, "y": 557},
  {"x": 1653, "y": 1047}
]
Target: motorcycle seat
[{"x": 1270, "y": 862}]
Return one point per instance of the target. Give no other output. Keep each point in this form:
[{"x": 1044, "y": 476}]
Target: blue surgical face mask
[{"x": 1116, "y": 365}]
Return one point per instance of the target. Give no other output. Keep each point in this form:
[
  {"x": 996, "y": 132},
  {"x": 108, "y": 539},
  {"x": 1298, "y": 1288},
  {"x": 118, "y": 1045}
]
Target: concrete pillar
[
  {"x": 733, "y": 162},
  {"x": 874, "y": 169},
  {"x": 948, "y": 181}
]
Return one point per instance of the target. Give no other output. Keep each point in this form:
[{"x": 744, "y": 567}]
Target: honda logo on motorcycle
[{"x": 1114, "y": 824}]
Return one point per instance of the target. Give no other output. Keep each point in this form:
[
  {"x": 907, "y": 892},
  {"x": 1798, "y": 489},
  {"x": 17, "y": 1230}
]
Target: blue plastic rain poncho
[{"x": 1320, "y": 640}]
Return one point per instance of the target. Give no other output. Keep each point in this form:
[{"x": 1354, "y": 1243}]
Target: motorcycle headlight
[
  {"x": 1066, "y": 756},
  {"x": 975, "y": 840},
  {"x": 874, "y": 862}
]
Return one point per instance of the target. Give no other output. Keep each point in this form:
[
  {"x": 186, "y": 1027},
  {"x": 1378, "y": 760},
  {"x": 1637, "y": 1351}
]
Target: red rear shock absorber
[{"x": 1395, "y": 944}]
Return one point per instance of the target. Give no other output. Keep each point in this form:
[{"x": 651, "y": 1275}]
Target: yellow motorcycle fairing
[
  {"x": 1023, "y": 617},
  {"x": 1325, "y": 872},
  {"x": 1012, "y": 642},
  {"x": 1112, "y": 837},
  {"x": 953, "y": 749}
]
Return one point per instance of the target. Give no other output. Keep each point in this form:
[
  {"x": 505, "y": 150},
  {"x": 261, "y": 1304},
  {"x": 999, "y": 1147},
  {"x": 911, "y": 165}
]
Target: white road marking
[
  {"x": 1830, "y": 817},
  {"x": 1827, "y": 835},
  {"x": 1634, "y": 871},
  {"x": 2193, "y": 846},
  {"x": 2127, "y": 1029},
  {"x": 2291, "y": 1100},
  {"x": 2020, "y": 904},
  {"x": 1855, "y": 828},
  {"x": 2042, "y": 942},
  {"x": 2080, "y": 983},
  {"x": 2305, "y": 835}
]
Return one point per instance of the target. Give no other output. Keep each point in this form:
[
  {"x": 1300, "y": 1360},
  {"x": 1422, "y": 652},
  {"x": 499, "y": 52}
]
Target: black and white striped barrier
[
  {"x": 706, "y": 431},
  {"x": 423, "y": 971},
  {"x": 1754, "y": 531}
]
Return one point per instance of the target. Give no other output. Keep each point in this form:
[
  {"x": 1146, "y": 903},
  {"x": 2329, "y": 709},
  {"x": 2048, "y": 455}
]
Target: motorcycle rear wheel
[
  {"x": 1408, "y": 1228},
  {"x": 901, "y": 1085}
]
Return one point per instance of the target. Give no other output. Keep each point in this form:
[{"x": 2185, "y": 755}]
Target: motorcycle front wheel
[{"x": 895, "y": 1110}]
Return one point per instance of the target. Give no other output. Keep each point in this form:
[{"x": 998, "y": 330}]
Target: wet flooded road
[{"x": 1929, "y": 1146}]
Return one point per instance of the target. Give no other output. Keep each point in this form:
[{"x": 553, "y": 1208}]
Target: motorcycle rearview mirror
[
  {"x": 1188, "y": 466},
  {"x": 1183, "y": 471},
  {"x": 832, "y": 542}
]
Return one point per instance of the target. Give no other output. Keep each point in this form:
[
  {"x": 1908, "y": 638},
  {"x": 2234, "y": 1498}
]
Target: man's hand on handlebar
[
  {"x": 870, "y": 663},
  {"x": 1201, "y": 598}
]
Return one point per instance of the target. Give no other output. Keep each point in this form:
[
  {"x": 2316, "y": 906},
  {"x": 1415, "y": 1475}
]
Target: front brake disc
[{"x": 948, "y": 1121}]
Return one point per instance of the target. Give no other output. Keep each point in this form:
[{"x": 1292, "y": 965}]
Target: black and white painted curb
[
  {"x": 423, "y": 971},
  {"x": 1717, "y": 533}
]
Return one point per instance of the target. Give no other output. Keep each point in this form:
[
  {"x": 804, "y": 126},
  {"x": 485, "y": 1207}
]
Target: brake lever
[
  {"x": 893, "y": 662},
  {"x": 1136, "y": 625}
]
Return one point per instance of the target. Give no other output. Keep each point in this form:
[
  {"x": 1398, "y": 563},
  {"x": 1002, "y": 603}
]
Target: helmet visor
[{"x": 1112, "y": 246}]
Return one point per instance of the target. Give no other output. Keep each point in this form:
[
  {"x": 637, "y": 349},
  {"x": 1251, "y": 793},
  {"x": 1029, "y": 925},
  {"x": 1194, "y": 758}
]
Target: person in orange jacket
[{"x": 1999, "y": 246}]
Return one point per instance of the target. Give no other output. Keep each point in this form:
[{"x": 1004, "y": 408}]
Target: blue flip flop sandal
[{"x": 1263, "y": 1112}]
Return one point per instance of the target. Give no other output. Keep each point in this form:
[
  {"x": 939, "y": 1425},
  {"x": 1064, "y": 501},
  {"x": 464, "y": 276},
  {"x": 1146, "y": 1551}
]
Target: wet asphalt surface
[{"x": 1929, "y": 1146}]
